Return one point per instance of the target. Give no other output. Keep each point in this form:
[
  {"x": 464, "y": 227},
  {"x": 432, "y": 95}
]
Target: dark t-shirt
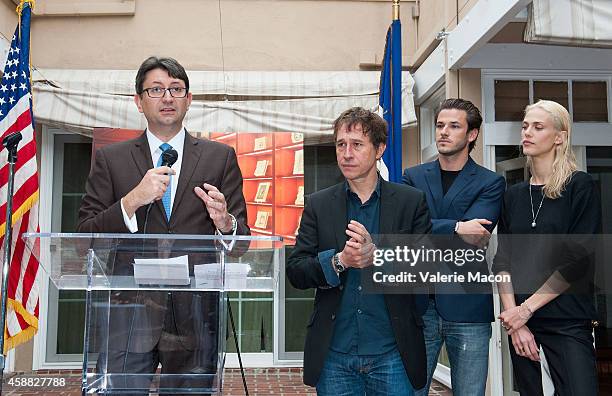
[
  {"x": 555, "y": 243},
  {"x": 448, "y": 178}
]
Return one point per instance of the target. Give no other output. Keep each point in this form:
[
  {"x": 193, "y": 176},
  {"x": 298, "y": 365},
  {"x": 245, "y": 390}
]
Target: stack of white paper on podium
[
  {"x": 209, "y": 275},
  {"x": 157, "y": 271}
]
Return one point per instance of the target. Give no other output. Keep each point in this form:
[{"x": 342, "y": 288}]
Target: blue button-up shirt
[{"x": 362, "y": 324}]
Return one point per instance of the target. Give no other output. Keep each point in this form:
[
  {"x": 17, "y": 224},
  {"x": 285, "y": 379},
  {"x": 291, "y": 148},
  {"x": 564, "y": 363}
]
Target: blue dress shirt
[{"x": 362, "y": 324}]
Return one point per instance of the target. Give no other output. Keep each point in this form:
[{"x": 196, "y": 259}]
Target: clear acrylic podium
[{"x": 156, "y": 297}]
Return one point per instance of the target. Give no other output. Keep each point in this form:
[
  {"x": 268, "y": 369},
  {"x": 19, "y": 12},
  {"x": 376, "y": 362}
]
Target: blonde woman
[{"x": 544, "y": 313}]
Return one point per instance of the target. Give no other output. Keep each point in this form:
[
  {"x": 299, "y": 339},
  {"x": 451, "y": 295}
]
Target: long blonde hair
[{"x": 564, "y": 164}]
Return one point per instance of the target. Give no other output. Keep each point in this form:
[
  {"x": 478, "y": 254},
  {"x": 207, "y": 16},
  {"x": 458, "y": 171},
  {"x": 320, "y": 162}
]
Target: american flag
[{"x": 16, "y": 115}]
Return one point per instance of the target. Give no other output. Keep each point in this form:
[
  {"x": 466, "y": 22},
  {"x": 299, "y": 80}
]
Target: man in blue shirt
[
  {"x": 464, "y": 198},
  {"x": 358, "y": 343}
]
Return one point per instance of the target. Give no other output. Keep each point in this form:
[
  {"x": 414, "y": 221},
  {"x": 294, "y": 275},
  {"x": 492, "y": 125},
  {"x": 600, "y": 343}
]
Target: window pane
[
  {"x": 257, "y": 326},
  {"x": 254, "y": 324},
  {"x": 70, "y": 211},
  {"x": 77, "y": 157},
  {"x": 551, "y": 90},
  {"x": 510, "y": 163},
  {"x": 504, "y": 153},
  {"x": 230, "y": 346},
  {"x": 71, "y": 312},
  {"x": 320, "y": 167},
  {"x": 511, "y": 98},
  {"x": 298, "y": 308},
  {"x": 297, "y": 313},
  {"x": 74, "y": 164},
  {"x": 590, "y": 101}
]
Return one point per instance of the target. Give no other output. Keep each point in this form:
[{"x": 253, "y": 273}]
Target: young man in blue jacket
[{"x": 463, "y": 198}]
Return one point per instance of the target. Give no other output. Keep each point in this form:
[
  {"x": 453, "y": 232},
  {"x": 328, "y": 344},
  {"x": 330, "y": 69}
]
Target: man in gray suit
[{"x": 129, "y": 191}]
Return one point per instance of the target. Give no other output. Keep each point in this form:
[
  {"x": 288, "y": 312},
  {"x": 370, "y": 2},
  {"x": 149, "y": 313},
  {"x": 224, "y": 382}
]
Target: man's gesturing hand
[
  {"x": 216, "y": 206},
  {"x": 358, "y": 251},
  {"x": 151, "y": 188}
]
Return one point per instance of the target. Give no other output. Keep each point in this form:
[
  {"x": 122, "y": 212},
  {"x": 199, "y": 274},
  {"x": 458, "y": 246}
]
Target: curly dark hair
[{"x": 371, "y": 124}]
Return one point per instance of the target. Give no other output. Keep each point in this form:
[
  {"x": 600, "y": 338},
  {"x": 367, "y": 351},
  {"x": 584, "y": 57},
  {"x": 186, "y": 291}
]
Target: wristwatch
[
  {"x": 234, "y": 224},
  {"x": 338, "y": 266}
]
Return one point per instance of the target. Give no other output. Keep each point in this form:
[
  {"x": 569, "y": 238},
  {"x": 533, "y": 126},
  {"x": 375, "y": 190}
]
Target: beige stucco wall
[
  {"x": 470, "y": 89},
  {"x": 257, "y": 35},
  {"x": 432, "y": 19},
  {"x": 411, "y": 150},
  {"x": 511, "y": 33},
  {"x": 8, "y": 19},
  {"x": 434, "y": 16},
  {"x": 465, "y": 83}
]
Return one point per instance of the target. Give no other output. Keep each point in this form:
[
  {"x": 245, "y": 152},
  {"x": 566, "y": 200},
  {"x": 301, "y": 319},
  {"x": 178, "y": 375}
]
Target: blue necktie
[{"x": 166, "y": 198}]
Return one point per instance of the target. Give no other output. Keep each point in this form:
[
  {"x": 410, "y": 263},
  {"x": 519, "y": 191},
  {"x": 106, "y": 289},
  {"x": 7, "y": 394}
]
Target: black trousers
[{"x": 568, "y": 346}]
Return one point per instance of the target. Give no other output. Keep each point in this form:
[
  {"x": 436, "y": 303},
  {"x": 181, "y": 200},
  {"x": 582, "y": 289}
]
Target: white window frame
[
  {"x": 427, "y": 130},
  {"x": 507, "y": 132},
  {"x": 39, "y": 356},
  {"x": 251, "y": 359},
  {"x": 281, "y": 356}
]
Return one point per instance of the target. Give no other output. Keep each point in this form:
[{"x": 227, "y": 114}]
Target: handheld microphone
[{"x": 168, "y": 157}]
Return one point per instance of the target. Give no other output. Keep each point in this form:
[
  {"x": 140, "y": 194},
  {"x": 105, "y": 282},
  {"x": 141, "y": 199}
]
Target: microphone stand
[{"x": 10, "y": 142}]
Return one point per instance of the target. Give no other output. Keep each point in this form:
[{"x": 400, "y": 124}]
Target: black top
[
  {"x": 532, "y": 259},
  {"x": 448, "y": 178}
]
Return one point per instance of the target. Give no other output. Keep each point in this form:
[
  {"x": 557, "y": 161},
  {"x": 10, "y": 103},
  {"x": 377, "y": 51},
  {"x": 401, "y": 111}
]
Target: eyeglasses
[{"x": 159, "y": 92}]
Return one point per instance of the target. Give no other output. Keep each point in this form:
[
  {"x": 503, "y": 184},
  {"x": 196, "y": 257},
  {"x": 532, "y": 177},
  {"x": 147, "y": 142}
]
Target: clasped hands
[
  {"x": 514, "y": 321},
  {"x": 154, "y": 184},
  {"x": 358, "y": 251},
  {"x": 516, "y": 317}
]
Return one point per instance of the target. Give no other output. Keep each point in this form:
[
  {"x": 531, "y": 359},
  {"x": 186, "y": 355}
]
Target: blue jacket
[{"x": 477, "y": 193}]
